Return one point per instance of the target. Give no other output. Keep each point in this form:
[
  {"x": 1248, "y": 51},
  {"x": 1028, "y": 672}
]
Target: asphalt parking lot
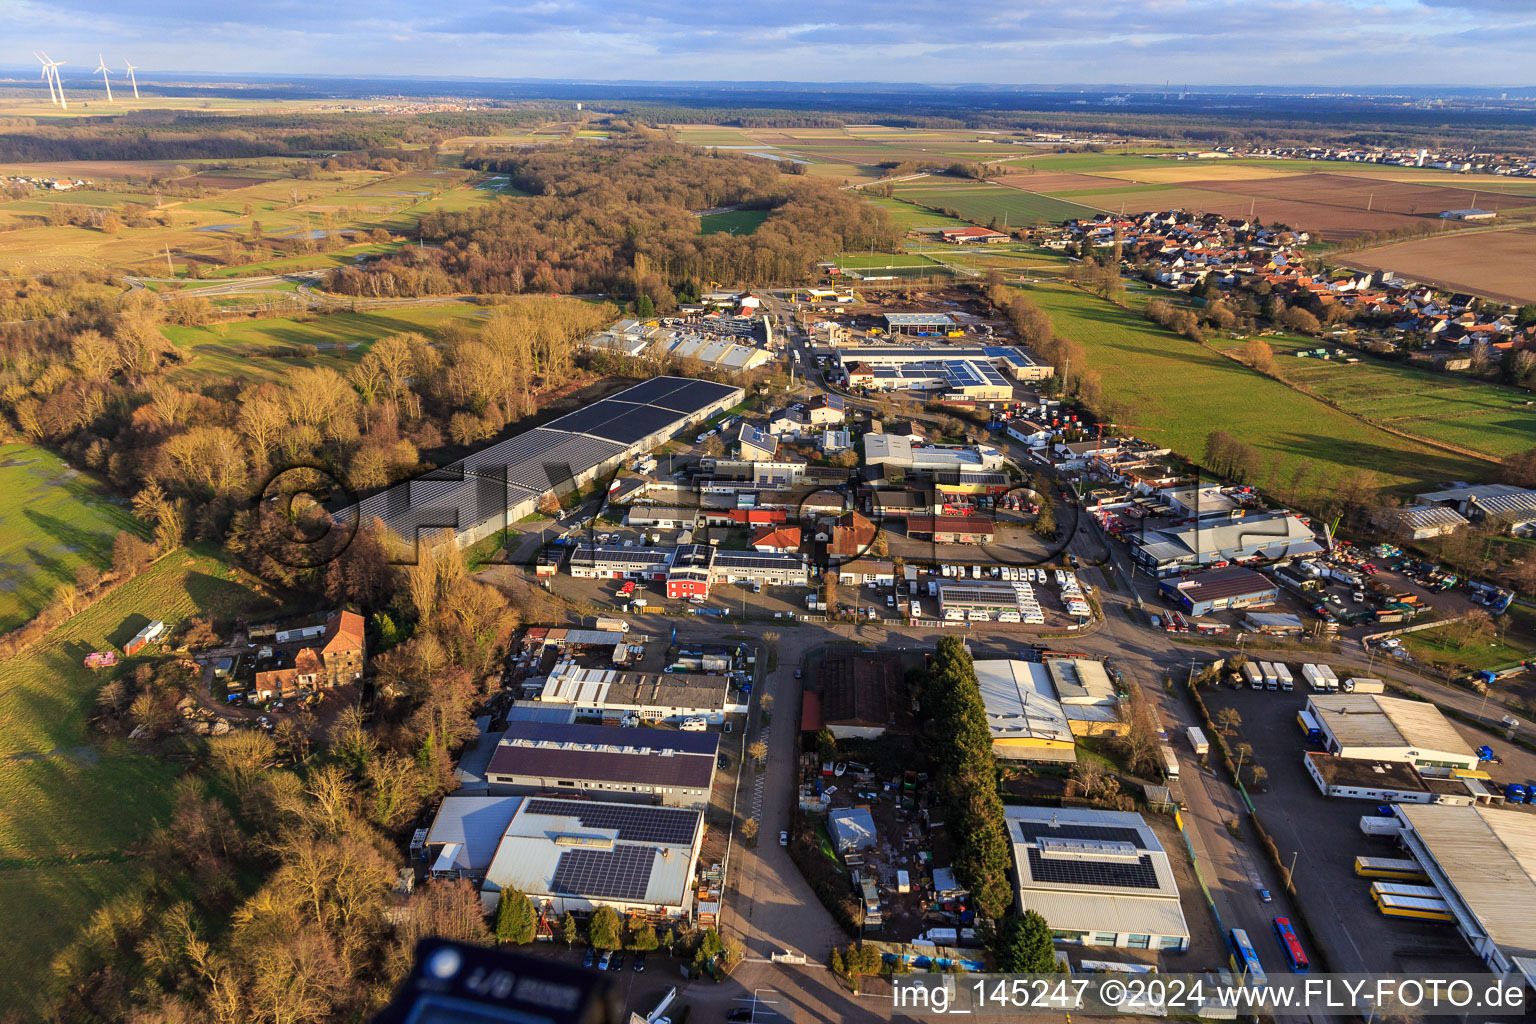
[{"x": 1324, "y": 837}]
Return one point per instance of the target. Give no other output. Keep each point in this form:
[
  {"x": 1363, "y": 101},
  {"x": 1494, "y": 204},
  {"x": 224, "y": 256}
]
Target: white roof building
[
  {"x": 1099, "y": 878},
  {"x": 577, "y": 855},
  {"x": 912, "y": 453},
  {"x": 1379, "y": 728},
  {"x": 1026, "y": 720}
]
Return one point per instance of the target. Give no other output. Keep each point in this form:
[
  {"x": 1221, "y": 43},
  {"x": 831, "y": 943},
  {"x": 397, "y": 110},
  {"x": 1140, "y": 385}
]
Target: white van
[{"x": 693, "y": 725}]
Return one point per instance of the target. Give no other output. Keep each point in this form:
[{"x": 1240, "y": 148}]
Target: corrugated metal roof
[
  {"x": 477, "y": 823},
  {"x": 1489, "y": 858},
  {"x": 1372, "y": 720},
  {"x": 1019, "y": 702}
]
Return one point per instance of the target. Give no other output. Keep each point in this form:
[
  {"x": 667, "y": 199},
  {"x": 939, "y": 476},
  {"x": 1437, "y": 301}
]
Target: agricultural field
[
  {"x": 72, "y": 806},
  {"x": 56, "y": 520},
  {"x": 1307, "y": 195},
  {"x": 1177, "y": 392},
  {"x": 909, "y": 217},
  {"x": 283, "y": 206},
  {"x": 1495, "y": 264},
  {"x": 985, "y": 202},
  {"x": 1448, "y": 407},
  {"x": 732, "y": 222},
  {"x": 249, "y": 350}
]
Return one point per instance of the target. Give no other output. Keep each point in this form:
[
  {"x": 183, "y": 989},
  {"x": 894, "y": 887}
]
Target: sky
[{"x": 1003, "y": 42}]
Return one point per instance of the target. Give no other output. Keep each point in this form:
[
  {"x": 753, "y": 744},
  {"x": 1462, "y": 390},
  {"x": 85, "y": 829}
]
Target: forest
[{"x": 619, "y": 218}]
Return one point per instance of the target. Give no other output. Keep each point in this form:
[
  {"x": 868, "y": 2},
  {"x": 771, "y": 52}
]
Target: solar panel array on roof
[
  {"x": 1139, "y": 875},
  {"x": 623, "y": 872},
  {"x": 607, "y": 736},
  {"x": 485, "y": 484},
  {"x": 1030, "y": 831},
  {"x": 632, "y": 556},
  {"x": 634, "y": 824},
  {"x": 748, "y": 560}
]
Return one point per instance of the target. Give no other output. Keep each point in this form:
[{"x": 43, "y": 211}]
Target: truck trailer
[
  {"x": 1287, "y": 683},
  {"x": 1197, "y": 741},
  {"x": 1313, "y": 674},
  {"x": 1254, "y": 676},
  {"x": 1170, "y": 761},
  {"x": 1364, "y": 686}
]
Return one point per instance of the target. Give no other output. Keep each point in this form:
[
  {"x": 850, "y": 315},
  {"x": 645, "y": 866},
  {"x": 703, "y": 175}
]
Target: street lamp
[{"x": 1290, "y": 872}]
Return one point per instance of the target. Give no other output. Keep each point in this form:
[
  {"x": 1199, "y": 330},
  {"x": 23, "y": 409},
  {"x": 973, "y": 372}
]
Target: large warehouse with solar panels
[
  {"x": 578, "y": 855},
  {"x": 504, "y": 482},
  {"x": 1099, "y": 878}
]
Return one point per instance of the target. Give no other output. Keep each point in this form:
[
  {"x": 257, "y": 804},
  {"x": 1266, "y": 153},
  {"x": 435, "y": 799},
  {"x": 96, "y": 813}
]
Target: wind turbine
[
  {"x": 47, "y": 77},
  {"x": 101, "y": 69},
  {"x": 132, "y": 79},
  {"x": 53, "y": 67}
]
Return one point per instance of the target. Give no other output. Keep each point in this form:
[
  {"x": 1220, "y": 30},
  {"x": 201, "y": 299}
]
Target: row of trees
[{"x": 967, "y": 776}]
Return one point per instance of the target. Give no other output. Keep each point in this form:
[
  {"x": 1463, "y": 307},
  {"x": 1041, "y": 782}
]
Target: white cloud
[{"x": 1281, "y": 42}]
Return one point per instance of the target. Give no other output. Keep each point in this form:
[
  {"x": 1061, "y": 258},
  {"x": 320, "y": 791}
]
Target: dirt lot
[{"x": 1496, "y": 264}]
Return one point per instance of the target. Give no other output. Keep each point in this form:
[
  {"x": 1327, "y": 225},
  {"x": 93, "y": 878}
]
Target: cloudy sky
[{"x": 1257, "y": 42}]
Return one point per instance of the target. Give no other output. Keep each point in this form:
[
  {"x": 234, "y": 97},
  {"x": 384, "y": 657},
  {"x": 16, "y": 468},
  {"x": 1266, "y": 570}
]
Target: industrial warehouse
[
  {"x": 1373, "y": 727},
  {"x": 597, "y": 762},
  {"x": 1483, "y": 862},
  {"x": 1035, "y": 710},
  {"x": 1099, "y": 878},
  {"x": 503, "y": 483}
]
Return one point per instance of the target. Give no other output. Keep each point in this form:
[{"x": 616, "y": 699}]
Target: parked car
[
  {"x": 727, "y": 727},
  {"x": 590, "y": 958},
  {"x": 607, "y": 959},
  {"x": 783, "y": 838},
  {"x": 639, "y": 961},
  {"x": 617, "y": 963},
  {"x": 722, "y": 763}
]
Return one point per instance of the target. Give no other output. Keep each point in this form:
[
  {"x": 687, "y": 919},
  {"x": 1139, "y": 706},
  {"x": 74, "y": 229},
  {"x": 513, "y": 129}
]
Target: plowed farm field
[{"x": 1495, "y": 264}]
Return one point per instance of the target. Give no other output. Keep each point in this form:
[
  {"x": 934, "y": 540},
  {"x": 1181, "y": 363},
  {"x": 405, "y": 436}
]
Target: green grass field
[
  {"x": 238, "y": 350},
  {"x": 1177, "y": 392},
  {"x": 58, "y": 520},
  {"x": 732, "y": 222},
  {"x": 317, "y": 261},
  {"x": 983, "y": 202},
  {"x": 1443, "y": 406},
  {"x": 71, "y": 806},
  {"x": 907, "y": 217}
]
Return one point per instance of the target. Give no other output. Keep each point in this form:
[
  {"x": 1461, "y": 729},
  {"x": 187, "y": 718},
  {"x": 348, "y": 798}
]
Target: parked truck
[
  {"x": 1254, "y": 676},
  {"x": 1197, "y": 741},
  {"x": 607, "y": 624},
  {"x": 1378, "y": 825},
  {"x": 1284, "y": 675},
  {"x": 1170, "y": 761},
  {"x": 1330, "y": 681},
  {"x": 1313, "y": 674},
  {"x": 1364, "y": 686}
]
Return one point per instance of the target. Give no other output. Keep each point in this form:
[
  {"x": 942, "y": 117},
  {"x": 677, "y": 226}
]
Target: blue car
[
  {"x": 1265, "y": 897},
  {"x": 590, "y": 958}
]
